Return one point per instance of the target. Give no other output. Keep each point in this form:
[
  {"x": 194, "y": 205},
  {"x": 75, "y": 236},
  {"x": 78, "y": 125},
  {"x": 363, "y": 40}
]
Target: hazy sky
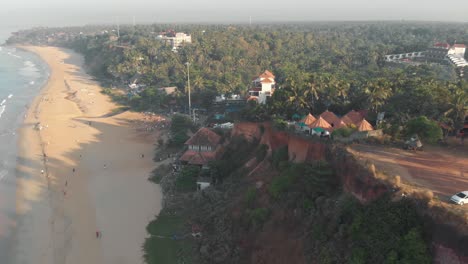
[{"x": 16, "y": 13}]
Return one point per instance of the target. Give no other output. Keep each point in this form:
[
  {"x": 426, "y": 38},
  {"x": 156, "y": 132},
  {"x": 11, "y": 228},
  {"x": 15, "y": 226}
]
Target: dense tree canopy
[{"x": 318, "y": 66}]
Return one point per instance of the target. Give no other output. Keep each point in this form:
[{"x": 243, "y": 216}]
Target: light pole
[{"x": 188, "y": 84}]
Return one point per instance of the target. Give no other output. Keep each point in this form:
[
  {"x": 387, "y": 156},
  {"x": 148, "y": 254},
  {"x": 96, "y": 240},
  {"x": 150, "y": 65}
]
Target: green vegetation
[
  {"x": 280, "y": 124},
  {"x": 250, "y": 196},
  {"x": 426, "y": 129},
  {"x": 280, "y": 156},
  {"x": 258, "y": 216},
  {"x": 335, "y": 66},
  {"x": 166, "y": 242},
  {"x": 236, "y": 155},
  {"x": 343, "y": 131},
  {"x": 179, "y": 126},
  {"x": 187, "y": 178},
  {"x": 385, "y": 232}
]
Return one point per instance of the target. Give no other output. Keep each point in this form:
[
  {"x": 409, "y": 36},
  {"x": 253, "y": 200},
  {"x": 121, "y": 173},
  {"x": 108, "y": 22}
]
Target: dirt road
[{"x": 444, "y": 170}]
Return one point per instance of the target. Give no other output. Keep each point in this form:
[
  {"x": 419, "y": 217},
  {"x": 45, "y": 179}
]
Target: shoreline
[{"x": 65, "y": 208}]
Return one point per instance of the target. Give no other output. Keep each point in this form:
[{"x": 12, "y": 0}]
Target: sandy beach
[{"x": 80, "y": 171}]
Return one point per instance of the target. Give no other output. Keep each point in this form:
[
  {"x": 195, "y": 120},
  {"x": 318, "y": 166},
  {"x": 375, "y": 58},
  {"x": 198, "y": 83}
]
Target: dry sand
[{"x": 60, "y": 211}]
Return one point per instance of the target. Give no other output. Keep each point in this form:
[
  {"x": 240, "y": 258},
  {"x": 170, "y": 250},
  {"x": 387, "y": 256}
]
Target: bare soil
[{"x": 443, "y": 170}]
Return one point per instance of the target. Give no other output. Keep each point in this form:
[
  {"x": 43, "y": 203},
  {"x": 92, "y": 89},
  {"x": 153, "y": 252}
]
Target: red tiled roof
[
  {"x": 198, "y": 157},
  {"x": 459, "y": 46},
  {"x": 355, "y": 116},
  {"x": 442, "y": 45},
  {"x": 267, "y": 80},
  {"x": 204, "y": 137},
  {"x": 340, "y": 124},
  {"x": 345, "y": 119},
  {"x": 267, "y": 74},
  {"x": 256, "y": 89}
]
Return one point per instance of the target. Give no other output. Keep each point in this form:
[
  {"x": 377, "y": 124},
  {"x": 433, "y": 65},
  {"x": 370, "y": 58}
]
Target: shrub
[
  {"x": 343, "y": 131},
  {"x": 280, "y": 124},
  {"x": 186, "y": 180},
  {"x": 426, "y": 129}
]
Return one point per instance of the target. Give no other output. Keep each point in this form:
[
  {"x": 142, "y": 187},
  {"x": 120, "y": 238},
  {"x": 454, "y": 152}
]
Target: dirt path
[{"x": 440, "y": 169}]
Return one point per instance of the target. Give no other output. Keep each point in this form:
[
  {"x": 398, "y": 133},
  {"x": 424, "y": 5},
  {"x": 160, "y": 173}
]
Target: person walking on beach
[
  {"x": 42, "y": 171},
  {"x": 73, "y": 170},
  {"x": 105, "y": 167},
  {"x": 98, "y": 234}
]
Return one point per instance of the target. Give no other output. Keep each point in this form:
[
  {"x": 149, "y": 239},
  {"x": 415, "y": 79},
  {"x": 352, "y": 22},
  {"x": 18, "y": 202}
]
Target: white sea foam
[
  {"x": 3, "y": 102},
  {"x": 14, "y": 55},
  {"x": 10, "y": 96},
  {"x": 2, "y": 109},
  {"x": 31, "y": 82}
]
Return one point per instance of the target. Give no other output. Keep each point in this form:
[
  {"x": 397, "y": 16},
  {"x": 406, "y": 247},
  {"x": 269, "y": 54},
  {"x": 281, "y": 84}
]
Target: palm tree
[{"x": 378, "y": 91}]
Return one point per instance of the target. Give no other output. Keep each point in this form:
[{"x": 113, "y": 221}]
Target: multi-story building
[
  {"x": 442, "y": 53},
  {"x": 262, "y": 87},
  {"x": 175, "y": 39}
]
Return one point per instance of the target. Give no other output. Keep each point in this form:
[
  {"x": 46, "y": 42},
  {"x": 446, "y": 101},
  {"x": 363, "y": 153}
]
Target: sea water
[{"x": 22, "y": 74}]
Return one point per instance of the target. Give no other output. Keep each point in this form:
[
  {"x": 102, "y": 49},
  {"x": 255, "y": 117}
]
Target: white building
[
  {"x": 174, "y": 39},
  {"x": 263, "y": 87}
]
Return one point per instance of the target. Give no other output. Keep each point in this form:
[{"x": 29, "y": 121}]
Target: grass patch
[{"x": 162, "y": 246}]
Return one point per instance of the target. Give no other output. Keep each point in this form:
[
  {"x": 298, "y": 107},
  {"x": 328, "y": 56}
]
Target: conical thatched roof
[
  {"x": 347, "y": 120},
  {"x": 330, "y": 117},
  {"x": 356, "y": 117},
  {"x": 364, "y": 126},
  {"x": 320, "y": 122},
  {"x": 309, "y": 119}
]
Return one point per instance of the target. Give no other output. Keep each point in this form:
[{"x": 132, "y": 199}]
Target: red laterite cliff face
[
  {"x": 355, "y": 178},
  {"x": 448, "y": 246}
]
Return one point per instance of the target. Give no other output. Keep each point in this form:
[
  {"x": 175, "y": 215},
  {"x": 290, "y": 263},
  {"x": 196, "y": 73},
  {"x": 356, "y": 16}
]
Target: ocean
[{"x": 22, "y": 74}]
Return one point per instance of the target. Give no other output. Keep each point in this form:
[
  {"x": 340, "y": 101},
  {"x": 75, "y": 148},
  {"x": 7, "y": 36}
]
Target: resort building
[
  {"x": 175, "y": 39},
  {"x": 203, "y": 147},
  {"x": 262, "y": 87},
  {"x": 442, "y": 53}
]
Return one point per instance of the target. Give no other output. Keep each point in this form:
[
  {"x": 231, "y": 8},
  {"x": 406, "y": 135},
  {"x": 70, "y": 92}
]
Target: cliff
[{"x": 449, "y": 243}]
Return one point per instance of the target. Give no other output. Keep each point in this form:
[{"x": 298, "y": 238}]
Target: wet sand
[{"x": 80, "y": 173}]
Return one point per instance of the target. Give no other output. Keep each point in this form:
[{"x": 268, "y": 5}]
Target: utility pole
[
  {"x": 118, "y": 28},
  {"x": 250, "y": 21},
  {"x": 188, "y": 85}
]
